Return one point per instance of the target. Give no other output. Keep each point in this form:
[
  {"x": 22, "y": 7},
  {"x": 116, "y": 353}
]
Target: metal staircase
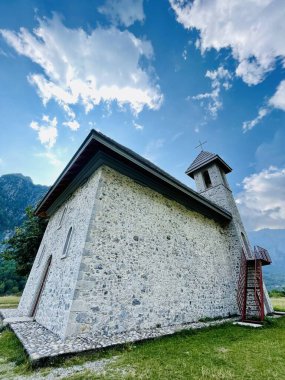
[{"x": 250, "y": 295}]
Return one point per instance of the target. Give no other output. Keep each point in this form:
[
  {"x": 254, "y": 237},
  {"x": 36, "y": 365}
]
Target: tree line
[{"x": 19, "y": 251}]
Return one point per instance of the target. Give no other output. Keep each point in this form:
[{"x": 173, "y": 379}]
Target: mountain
[
  {"x": 274, "y": 242},
  {"x": 16, "y": 193}
]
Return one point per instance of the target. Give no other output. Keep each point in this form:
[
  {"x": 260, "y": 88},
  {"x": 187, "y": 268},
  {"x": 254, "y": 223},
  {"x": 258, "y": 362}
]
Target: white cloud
[
  {"x": 92, "y": 125},
  {"x": 248, "y": 125},
  {"x": 221, "y": 78},
  {"x": 262, "y": 200},
  {"x": 137, "y": 126},
  {"x": 253, "y": 29},
  {"x": 278, "y": 99},
  {"x": 47, "y": 130},
  {"x": 51, "y": 157},
  {"x": 177, "y": 136},
  {"x": 72, "y": 124},
  {"x": 123, "y": 12},
  {"x": 152, "y": 149},
  {"x": 271, "y": 152},
  {"x": 87, "y": 69}
]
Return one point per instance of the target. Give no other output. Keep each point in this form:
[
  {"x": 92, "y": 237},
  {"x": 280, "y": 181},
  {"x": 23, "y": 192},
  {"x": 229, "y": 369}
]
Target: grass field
[
  {"x": 223, "y": 352},
  {"x": 219, "y": 353},
  {"x": 278, "y": 303},
  {"x": 8, "y": 302}
]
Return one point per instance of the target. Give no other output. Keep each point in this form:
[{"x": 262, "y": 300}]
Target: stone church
[{"x": 130, "y": 248}]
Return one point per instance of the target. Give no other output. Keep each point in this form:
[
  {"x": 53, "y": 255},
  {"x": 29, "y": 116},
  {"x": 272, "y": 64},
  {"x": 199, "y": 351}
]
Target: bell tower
[{"x": 209, "y": 171}]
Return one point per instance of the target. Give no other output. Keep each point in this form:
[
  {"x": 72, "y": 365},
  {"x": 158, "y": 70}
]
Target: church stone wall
[
  {"x": 55, "y": 302},
  {"x": 149, "y": 262}
]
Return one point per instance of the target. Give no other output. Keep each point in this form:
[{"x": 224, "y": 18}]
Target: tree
[
  {"x": 22, "y": 247},
  {"x": 10, "y": 281}
]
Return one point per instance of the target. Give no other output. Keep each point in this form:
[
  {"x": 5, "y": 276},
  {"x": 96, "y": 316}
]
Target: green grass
[
  {"x": 222, "y": 352},
  {"x": 225, "y": 352},
  {"x": 7, "y": 302},
  {"x": 277, "y": 293},
  {"x": 278, "y": 303}
]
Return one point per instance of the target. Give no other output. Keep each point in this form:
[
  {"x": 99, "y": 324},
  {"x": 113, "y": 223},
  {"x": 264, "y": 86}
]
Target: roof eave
[
  {"x": 139, "y": 162},
  {"x": 226, "y": 167}
]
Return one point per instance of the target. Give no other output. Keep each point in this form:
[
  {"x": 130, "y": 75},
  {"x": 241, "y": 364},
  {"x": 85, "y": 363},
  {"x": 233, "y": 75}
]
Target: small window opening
[
  {"x": 41, "y": 255},
  {"x": 207, "y": 179},
  {"x": 62, "y": 217},
  {"x": 67, "y": 243},
  {"x": 245, "y": 244}
]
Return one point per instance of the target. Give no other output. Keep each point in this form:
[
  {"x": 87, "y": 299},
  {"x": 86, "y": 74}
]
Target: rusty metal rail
[{"x": 252, "y": 267}]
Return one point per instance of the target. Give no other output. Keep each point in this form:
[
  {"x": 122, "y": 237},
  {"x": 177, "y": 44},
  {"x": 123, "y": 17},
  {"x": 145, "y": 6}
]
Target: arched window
[
  {"x": 207, "y": 179},
  {"x": 41, "y": 255},
  {"x": 245, "y": 244},
  {"x": 41, "y": 287},
  {"x": 62, "y": 217},
  {"x": 67, "y": 243}
]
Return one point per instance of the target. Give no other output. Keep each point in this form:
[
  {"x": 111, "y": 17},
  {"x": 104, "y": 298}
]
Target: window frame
[
  {"x": 66, "y": 246},
  {"x": 41, "y": 255},
  {"x": 62, "y": 217},
  {"x": 206, "y": 172},
  {"x": 245, "y": 244}
]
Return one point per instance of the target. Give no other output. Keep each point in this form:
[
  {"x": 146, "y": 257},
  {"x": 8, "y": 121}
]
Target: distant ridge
[{"x": 17, "y": 191}]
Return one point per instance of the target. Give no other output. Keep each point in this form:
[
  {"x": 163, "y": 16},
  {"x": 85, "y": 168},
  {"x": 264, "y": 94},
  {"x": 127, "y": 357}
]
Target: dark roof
[
  {"x": 204, "y": 159},
  {"x": 97, "y": 150}
]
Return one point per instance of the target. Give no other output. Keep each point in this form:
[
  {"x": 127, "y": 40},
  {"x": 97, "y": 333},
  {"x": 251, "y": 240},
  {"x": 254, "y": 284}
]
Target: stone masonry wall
[
  {"x": 55, "y": 302},
  {"x": 148, "y": 261}
]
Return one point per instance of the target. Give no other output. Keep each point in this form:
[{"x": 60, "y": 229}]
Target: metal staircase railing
[
  {"x": 247, "y": 285},
  {"x": 242, "y": 289},
  {"x": 258, "y": 288}
]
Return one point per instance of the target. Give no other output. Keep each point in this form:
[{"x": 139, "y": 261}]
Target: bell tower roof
[{"x": 204, "y": 159}]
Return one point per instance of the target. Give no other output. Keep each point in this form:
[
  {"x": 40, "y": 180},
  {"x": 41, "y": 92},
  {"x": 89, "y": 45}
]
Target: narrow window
[
  {"x": 41, "y": 255},
  {"x": 67, "y": 243},
  {"x": 41, "y": 288},
  {"x": 245, "y": 244},
  {"x": 207, "y": 179},
  {"x": 62, "y": 217}
]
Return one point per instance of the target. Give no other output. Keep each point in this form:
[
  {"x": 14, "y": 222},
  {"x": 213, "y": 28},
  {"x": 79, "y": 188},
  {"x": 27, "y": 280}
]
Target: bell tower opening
[{"x": 207, "y": 179}]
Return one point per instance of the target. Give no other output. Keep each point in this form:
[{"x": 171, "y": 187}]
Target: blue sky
[{"x": 157, "y": 76}]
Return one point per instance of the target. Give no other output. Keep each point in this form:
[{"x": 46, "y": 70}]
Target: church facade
[{"x": 128, "y": 247}]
